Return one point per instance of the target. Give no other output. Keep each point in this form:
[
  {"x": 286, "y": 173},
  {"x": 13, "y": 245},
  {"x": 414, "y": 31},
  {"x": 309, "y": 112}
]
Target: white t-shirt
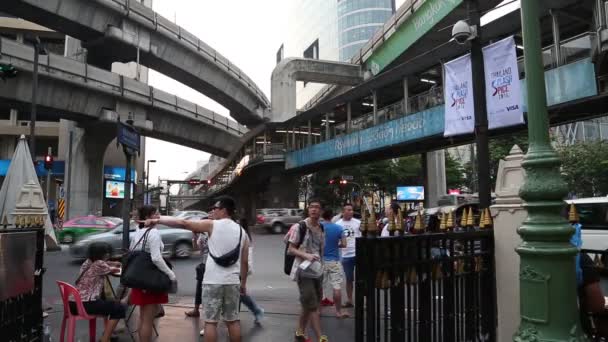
[
  {"x": 351, "y": 232},
  {"x": 224, "y": 238}
]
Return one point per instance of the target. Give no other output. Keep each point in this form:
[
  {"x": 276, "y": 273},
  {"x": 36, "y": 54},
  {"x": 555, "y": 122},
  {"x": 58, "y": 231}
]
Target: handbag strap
[{"x": 145, "y": 238}]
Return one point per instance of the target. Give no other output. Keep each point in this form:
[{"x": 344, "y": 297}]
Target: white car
[{"x": 593, "y": 213}]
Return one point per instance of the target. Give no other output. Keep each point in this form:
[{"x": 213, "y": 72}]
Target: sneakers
[
  {"x": 259, "y": 317},
  {"x": 327, "y": 302},
  {"x": 323, "y": 339},
  {"x": 300, "y": 337}
]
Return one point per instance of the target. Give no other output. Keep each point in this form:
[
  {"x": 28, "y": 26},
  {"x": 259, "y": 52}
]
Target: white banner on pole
[
  {"x": 458, "y": 93},
  {"x": 503, "y": 89}
]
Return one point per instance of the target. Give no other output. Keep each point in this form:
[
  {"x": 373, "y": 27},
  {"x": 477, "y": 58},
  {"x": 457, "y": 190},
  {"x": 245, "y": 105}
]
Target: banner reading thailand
[
  {"x": 503, "y": 90},
  {"x": 459, "y": 109}
]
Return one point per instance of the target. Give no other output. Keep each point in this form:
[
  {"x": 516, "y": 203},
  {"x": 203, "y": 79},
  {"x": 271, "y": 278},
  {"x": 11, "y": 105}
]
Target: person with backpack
[
  {"x": 226, "y": 268},
  {"x": 305, "y": 243}
]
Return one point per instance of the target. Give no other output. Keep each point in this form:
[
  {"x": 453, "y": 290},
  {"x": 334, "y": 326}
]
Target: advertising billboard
[
  {"x": 116, "y": 189},
  {"x": 410, "y": 193}
]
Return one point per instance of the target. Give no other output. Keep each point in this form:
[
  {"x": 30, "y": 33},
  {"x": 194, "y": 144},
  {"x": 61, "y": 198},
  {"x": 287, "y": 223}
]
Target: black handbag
[{"x": 139, "y": 272}]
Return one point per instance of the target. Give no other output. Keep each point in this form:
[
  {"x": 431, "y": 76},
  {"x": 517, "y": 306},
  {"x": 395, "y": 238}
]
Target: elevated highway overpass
[
  {"x": 126, "y": 30},
  {"x": 72, "y": 90},
  {"x": 95, "y": 99}
]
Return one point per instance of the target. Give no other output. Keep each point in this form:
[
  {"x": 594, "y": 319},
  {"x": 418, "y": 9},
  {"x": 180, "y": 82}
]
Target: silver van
[{"x": 278, "y": 220}]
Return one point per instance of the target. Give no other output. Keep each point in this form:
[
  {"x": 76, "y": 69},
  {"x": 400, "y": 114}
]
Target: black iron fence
[
  {"x": 21, "y": 268},
  {"x": 428, "y": 287}
]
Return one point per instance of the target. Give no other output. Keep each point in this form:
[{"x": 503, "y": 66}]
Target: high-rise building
[
  {"x": 330, "y": 30},
  {"x": 358, "y": 20}
]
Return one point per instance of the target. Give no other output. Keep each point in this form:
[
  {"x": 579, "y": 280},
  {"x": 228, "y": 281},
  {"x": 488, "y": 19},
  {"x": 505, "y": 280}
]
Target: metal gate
[
  {"x": 21, "y": 261},
  {"x": 428, "y": 287}
]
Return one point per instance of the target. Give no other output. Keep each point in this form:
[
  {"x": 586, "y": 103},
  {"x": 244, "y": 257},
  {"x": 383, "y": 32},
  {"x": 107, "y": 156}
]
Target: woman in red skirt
[{"x": 149, "y": 302}]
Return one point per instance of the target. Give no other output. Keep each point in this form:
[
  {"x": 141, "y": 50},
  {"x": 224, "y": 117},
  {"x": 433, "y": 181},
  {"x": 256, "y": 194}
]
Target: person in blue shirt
[{"x": 333, "y": 272}]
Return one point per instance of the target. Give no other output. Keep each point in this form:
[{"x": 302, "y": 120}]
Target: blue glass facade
[{"x": 358, "y": 20}]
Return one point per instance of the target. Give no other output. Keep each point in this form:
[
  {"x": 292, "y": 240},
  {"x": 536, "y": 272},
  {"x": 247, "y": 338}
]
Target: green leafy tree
[
  {"x": 454, "y": 173},
  {"x": 584, "y": 166}
]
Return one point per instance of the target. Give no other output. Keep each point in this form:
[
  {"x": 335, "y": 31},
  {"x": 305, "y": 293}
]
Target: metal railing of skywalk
[
  {"x": 21, "y": 56},
  {"x": 572, "y": 49}
]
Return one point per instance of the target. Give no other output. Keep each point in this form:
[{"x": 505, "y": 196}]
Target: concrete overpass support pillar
[
  {"x": 85, "y": 173},
  {"x": 435, "y": 176}
]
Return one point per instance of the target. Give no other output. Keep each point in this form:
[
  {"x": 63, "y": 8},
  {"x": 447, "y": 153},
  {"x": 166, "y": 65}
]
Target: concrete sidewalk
[{"x": 278, "y": 325}]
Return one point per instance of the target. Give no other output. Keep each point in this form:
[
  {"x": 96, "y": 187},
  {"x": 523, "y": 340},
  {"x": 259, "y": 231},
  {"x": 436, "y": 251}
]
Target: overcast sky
[{"x": 248, "y": 33}]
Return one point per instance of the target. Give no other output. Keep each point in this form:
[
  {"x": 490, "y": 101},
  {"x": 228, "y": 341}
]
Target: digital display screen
[
  {"x": 410, "y": 193},
  {"x": 116, "y": 189}
]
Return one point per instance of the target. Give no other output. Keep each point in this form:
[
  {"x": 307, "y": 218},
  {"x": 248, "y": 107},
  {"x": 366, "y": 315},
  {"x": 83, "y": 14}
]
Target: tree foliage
[{"x": 585, "y": 168}]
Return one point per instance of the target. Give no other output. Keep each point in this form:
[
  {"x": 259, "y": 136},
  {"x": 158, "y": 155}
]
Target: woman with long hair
[
  {"x": 149, "y": 303},
  {"x": 258, "y": 313}
]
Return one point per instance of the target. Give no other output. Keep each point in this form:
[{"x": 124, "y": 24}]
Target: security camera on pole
[{"x": 129, "y": 138}]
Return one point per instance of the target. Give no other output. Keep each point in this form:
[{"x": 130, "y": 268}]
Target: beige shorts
[{"x": 334, "y": 274}]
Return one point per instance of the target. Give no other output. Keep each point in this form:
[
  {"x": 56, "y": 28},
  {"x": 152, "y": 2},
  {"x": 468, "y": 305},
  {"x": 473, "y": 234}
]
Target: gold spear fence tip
[
  {"x": 573, "y": 214},
  {"x": 470, "y": 218}
]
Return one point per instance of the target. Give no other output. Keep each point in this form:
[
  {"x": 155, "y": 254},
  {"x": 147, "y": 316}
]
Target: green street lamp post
[{"x": 548, "y": 297}]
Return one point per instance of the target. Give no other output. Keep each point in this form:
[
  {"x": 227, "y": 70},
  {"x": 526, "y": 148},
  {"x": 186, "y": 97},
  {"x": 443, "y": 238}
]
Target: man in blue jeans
[
  {"x": 351, "y": 231},
  {"x": 332, "y": 272}
]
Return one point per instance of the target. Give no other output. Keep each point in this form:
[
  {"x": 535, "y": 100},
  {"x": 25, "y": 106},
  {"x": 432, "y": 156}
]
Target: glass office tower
[{"x": 358, "y": 20}]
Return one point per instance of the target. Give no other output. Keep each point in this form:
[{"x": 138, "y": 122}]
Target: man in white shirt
[
  {"x": 221, "y": 293},
  {"x": 351, "y": 231}
]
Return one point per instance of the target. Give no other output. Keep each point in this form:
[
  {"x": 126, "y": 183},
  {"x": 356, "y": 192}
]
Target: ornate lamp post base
[{"x": 549, "y": 309}]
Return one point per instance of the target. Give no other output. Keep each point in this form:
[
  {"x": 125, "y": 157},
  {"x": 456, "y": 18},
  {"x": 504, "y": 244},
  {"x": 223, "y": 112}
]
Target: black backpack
[{"x": 288, "y": 258}]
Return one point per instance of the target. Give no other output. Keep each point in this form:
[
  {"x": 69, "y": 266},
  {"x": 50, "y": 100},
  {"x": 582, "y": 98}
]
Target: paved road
[{"x": 273, "y": 291}]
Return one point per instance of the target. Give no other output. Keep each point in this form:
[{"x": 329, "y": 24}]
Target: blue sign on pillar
[{"x": 128, "y": 137}]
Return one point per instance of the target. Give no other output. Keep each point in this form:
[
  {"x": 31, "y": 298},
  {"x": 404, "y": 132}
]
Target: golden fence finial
[
  {"x": 463, "y": 218},
  {"x": 372, "y": 227},
  {"x": 450, "y": 221},
  {"x": 573, "y": 214},
  {"x": 488, "y": 219},
  {"x": 400, "y": 227},
  {"x": 418, "y": 224},
  {"x": 482, "y": 219},
  {"x": 470, "y": 218},
  {"x": 443, "y": 224}
]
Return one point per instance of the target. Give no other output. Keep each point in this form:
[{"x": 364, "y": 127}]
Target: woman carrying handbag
[{"x": 149, "y": 302}]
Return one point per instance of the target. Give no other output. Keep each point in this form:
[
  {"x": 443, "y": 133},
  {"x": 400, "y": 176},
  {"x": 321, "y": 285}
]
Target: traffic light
[
  {"x": 7, "y": 71},
  {"x": 332, "y": 181},
  {"x": 194, "y": 182},
  {"x": 343, "y": 182},
  {"x": 48, "y": 162}
]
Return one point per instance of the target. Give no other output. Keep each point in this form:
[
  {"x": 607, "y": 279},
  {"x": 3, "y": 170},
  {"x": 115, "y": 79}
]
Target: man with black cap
[{"x": 226, "y": 269}]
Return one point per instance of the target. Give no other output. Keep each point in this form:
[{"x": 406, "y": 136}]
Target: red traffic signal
[
  {"x": 332, "y": 181},
  {"x": 48, "y": 162}
]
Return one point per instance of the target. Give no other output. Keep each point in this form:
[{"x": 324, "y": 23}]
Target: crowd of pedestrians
[{"x": 323, "y": 256}]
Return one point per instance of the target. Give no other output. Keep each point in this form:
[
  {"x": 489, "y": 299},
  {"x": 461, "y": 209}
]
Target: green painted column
[{"x": 549, "y": 310}]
